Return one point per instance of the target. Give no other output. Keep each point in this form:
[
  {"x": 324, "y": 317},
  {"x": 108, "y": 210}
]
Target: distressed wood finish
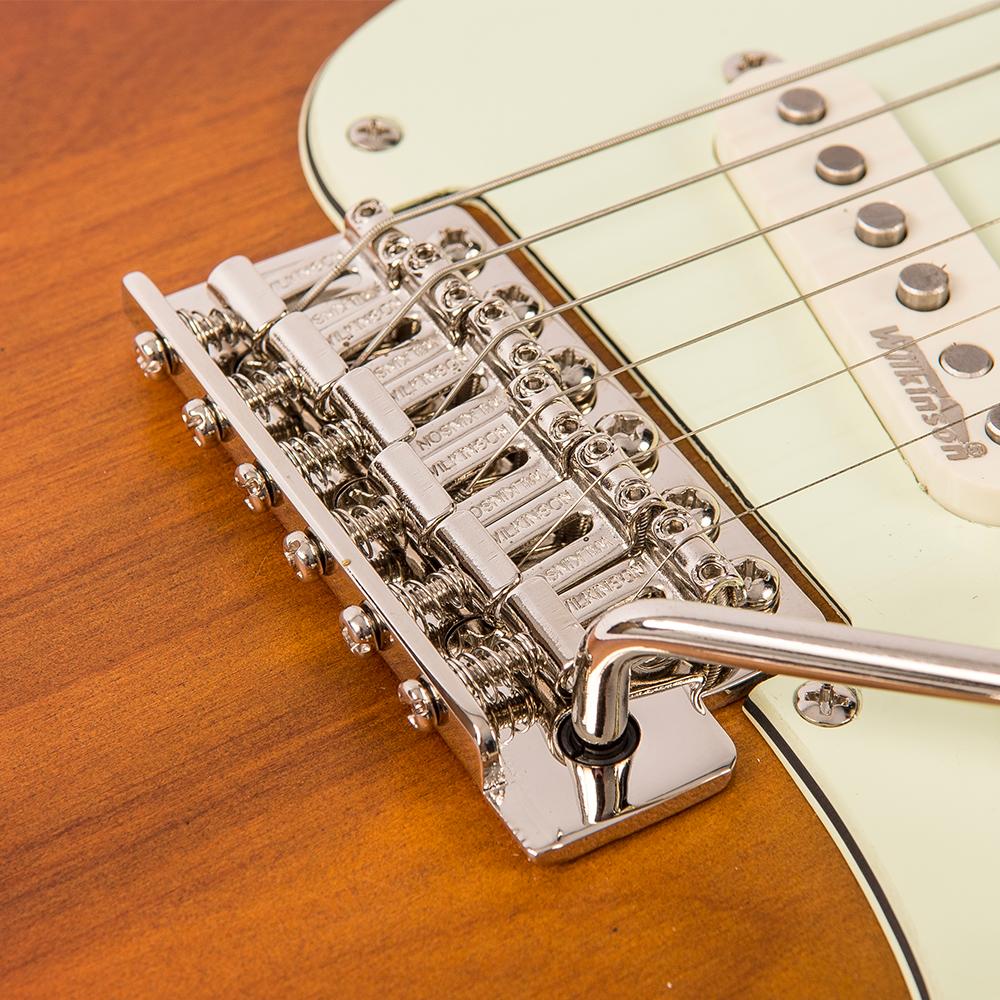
[{"x": 202, "y": 793}]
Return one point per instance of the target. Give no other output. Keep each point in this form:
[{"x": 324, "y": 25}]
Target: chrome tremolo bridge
[{"x": 485, "y": 537}]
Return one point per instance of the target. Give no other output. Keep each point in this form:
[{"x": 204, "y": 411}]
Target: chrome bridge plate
[{"x": 483, "y": 539}]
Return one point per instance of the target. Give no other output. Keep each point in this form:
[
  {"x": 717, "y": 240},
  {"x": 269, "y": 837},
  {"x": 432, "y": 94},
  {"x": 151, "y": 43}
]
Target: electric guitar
[{"x": 647, "y": 380}]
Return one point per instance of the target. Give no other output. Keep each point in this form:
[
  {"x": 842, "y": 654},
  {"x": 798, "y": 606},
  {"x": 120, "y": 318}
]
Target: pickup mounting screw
[
  {"x": 207, "y": 425},
  {"x": 152, "y": 355},
  {"x": 825, "y": 704},
  {"x": 305, "y": 555},
  {"x": 261, "y": 494},
  {"x": 421, "y": 705},
  {"x": 362, "y": 630},
  {"x": 374, "y": 134}
]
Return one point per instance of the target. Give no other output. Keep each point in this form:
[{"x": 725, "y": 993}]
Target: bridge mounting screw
[
  {"x": 374, "y": 134},
  {"x": 421, "y": 705},
  {"x": 825, "y": 704},
  {"x": 152, "y": 355},
  {"x": 305, "y": 555},
  {"x": 207, "y": 425},
  {"x": 261, "y": 493}
]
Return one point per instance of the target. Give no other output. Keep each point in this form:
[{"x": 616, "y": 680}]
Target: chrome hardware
[
  {"x": 374, "y": 135},
  {"x": 825, "y": 704},
  {"x": 261, "y": 493},
  {"x": 488, "y": 491},
  {"x": 363, "y": 630},
  {"x": 817, "y": 650},
  {"x": 421, "y": 706},
  {"x": 152, "y": 355},
  {"x": 207, "y": 425},
  {"x": 305, "y": 555},
  {"x": 993, "y": 425}
]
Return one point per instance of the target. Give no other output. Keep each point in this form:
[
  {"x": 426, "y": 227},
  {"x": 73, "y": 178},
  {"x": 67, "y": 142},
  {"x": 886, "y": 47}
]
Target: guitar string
[
  {"x": 511, "y": 246},
  {"x": 726, "y": 328},
  {"x": 700, "y": 255},
  {"x": 726, "y": 100},
  {"x": 720, "y": 330},
  {"x": 753, "y": 509},
  {"x": 688, "y": 435}
]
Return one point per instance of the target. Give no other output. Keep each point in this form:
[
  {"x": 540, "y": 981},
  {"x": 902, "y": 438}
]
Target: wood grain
[{"x": 201, "y": 794}]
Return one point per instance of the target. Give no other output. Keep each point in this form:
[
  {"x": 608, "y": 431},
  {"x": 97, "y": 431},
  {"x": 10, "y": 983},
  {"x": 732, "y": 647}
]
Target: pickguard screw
[
  {"x": 825, "y": 704},
  {"x": 374, "y": 134},
  {"x": 421, "y": 705}
]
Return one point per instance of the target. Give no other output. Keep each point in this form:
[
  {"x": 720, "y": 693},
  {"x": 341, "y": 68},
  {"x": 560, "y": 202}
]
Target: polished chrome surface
[
  {"x": 818, "y": 650},
  {"x": 477, "y": 572},
  {"x": 827, "y": 705},
  {"x": 993, "y": 425}
]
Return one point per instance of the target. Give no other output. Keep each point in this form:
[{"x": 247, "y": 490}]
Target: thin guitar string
[
  {"x": 818, "y": 482},
  {"x": 726, "y": 100},
  {"x": 719, "y": 330},
  {"x": 511, "y": 246},
  {"x": 769, "y": 311},
  {"x": 700, "y": 255},
  {"x": 688, "y": 435}
]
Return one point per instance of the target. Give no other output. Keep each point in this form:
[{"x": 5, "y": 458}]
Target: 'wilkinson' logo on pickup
[{"x": 928, "y": 394}]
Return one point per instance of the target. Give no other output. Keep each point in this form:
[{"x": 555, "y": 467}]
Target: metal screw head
[
  {"x": 825, "y": 704},
  {"x": 260, "y": 493},
  {"x": 421, "y": 705},
  {"x": 152, "y": 355},
  {"x": 374, "y": 134},
  {"x": 360, "y": 630},
  {"x": 702, "y": 505},
  {"x": 207, "y": 426},
  {"x": 739, "y": 62},
  {"x": 761, "y": 583},
  {"x": 305, "y": 555},
  {"x": 635, "y": 435}
]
